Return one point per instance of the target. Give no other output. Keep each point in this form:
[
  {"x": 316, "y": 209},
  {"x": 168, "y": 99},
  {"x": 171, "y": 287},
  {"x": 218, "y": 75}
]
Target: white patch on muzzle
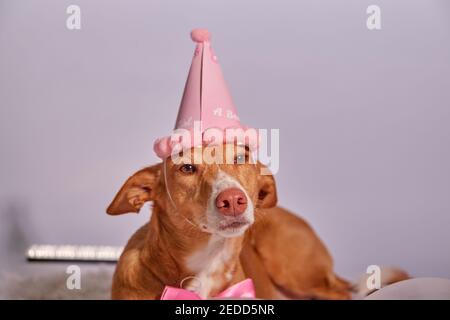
[{"x": 215, "y": 220}]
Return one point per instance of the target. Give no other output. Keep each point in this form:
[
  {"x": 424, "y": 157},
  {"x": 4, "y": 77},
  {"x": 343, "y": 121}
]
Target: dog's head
[{"x": 219, "y": 193}]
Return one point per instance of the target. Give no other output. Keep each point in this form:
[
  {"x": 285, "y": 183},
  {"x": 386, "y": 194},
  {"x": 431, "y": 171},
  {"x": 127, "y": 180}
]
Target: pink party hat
[{"x": 206, "y": 102}]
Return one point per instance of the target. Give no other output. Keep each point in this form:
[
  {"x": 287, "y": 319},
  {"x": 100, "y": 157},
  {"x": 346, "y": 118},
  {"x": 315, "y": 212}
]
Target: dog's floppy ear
[
  {"x": 267, "y": 193},
  {"x": 137, "y": 190}
]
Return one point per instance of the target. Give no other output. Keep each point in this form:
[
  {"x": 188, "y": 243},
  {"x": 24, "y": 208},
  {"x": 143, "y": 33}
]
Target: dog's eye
[
  {"x": 188, "y": 168},
  {"x": 240, "y": 159}
]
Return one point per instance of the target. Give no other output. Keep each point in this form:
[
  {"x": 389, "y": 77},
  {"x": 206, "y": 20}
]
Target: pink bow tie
[{"x": 243, "y": 289}]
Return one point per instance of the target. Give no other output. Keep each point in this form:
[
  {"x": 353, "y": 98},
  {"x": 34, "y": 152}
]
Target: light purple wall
[{"x": 364, "y": 116}]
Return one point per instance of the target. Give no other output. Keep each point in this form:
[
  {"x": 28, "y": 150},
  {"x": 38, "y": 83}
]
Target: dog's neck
[{"x": 181, "y": 254}]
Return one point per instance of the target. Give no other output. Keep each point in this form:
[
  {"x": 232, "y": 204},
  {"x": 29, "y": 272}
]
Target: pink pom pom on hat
[
  {"x": 206, "y": 100},
  {"x": 200, "y": 35}
]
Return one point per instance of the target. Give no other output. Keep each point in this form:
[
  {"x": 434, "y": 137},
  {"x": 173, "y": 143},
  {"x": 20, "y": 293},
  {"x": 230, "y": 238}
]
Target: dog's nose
[{"x": 231, "y": 202}]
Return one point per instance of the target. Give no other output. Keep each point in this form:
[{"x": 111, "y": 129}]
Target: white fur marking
[{"x": 207, "y": 262}]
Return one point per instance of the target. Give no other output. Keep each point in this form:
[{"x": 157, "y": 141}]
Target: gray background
[{"x": 363, "y": 116}]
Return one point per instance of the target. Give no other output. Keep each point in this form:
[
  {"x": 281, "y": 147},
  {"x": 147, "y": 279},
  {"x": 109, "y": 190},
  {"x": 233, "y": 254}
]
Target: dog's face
[{"x": 214, "y": 189}]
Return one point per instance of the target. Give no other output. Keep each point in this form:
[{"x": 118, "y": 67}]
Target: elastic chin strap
[
  {"x": 171, "y": 199},
  {"x": 167, "y": 185}
]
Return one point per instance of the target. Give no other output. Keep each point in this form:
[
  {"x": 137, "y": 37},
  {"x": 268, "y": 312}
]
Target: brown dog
[{"x": 219, "y": 224}]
